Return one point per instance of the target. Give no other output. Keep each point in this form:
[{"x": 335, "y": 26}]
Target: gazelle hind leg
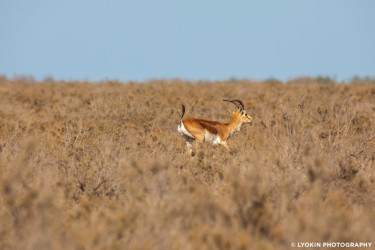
[
  {"x": 190, "y": 147},
  {"x": 189, "y": 144},
  {"x": 199, "y": 139}
]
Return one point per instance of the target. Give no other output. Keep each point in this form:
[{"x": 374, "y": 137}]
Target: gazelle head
[{"x": 241, "y": 113}]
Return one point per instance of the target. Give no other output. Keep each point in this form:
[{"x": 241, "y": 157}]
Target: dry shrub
[{"x": 101, "y": 166}]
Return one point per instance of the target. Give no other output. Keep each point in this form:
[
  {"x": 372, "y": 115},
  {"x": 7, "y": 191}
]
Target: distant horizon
[{"x": 31, "y": 78}]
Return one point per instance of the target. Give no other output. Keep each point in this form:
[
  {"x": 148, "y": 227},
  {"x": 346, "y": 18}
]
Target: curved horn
[
  {"x": 240, "y": 102},
  {"x": 236, "y": 102},
  {"x": 237, "y": 105}
]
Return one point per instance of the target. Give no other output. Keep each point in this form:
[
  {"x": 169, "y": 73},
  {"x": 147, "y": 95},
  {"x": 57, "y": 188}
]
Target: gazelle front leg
[{"x": 225, "y": 144}]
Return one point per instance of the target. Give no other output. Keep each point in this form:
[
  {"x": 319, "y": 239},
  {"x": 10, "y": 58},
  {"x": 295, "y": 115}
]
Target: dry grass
[{"x": 101, "y": 166}]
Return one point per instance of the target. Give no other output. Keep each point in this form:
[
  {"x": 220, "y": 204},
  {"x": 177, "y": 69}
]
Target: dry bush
[{"x": 101, "y": 165}]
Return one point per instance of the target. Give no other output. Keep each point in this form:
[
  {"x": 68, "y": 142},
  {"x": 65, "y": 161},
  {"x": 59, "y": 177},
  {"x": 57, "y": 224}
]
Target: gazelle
[{"x": 214, "y": 132}]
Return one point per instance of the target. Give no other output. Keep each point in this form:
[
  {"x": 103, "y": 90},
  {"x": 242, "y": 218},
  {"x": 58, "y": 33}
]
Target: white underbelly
[{"x": 214, "y": 139}]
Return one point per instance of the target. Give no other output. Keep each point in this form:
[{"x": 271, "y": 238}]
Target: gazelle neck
[
  {"x": 234, "y": 124},
  {"x": 234, "y": 121}
]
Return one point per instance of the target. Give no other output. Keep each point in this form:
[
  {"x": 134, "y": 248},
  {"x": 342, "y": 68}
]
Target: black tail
[{"x": 183, "y": 112}]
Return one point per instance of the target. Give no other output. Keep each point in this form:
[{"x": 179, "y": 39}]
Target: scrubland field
[{"x": 102, "y": 166}]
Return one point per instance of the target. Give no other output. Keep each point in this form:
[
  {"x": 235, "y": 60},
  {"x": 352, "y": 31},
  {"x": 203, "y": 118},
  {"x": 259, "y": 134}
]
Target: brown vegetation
[{"x": 102, "y": 166}]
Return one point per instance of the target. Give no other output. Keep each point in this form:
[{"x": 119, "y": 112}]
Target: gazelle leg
[
  {"x": 197, "y": 144},
  {"x": 225, "y": 144},
  {"x": 199, "y": 138},
  {"x": 190, "y": 147}
]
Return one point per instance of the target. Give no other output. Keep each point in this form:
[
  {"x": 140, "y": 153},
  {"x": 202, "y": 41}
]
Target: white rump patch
[{"x": 182, "y": 130}]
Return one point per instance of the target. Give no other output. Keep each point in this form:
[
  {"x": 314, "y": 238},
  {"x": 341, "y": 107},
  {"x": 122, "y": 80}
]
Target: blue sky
[{"x": 212, "y": 40}]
